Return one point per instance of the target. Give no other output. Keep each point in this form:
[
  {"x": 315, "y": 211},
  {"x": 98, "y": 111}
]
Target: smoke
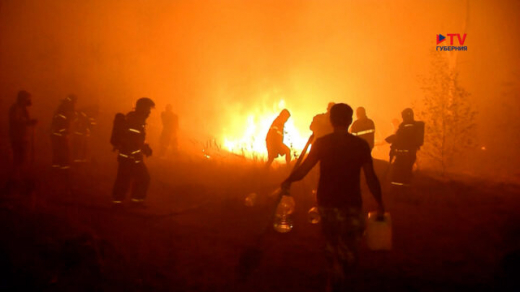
[{"x": 216, "y": 61}]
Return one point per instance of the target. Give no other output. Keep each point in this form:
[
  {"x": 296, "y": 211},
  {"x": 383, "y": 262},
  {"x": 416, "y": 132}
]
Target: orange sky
[{"x": 216, "y": 60}]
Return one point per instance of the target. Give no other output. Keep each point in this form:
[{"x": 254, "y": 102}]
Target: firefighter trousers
[
  {"x": 79, "y": 147},
  {"x": 403, "y": 168},
  {"x": 131, "y": 175},
  {"x": 60, "y": 151}
]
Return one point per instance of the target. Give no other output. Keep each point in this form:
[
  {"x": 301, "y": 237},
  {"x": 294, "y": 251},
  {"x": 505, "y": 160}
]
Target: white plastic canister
[{"x": 379, "y": 233}]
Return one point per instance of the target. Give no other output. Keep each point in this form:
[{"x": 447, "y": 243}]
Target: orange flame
[{"x": 249, "y": 140}]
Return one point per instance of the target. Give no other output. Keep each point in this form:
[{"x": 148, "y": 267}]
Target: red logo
[{"x": 461, "y": 38}]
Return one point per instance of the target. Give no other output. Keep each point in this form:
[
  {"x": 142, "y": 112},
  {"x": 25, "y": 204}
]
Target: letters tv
[{"x": 453, "y": 37}]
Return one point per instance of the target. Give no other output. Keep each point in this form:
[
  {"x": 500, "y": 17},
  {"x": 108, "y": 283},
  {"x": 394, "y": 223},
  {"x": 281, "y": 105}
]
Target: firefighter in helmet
[
  {"x": 274, "y": 139},
  {"x": 168, "y": 138},
  {"x": 132, "y": 171},
  {"x": 404, "y": 146},
  {"x": 60, "y": 130},
  {"x": 20, "y": 125},
  {"x": 363, "y": 127}
]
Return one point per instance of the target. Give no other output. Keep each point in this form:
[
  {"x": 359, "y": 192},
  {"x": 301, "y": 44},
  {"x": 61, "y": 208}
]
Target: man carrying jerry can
[{"x": 341, "y": 156}]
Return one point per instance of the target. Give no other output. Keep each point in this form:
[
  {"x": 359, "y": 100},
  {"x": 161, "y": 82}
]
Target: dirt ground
[{"x": 448, "y": 234}]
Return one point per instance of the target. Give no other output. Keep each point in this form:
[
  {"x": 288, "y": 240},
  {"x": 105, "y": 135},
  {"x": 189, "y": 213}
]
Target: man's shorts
[{"x": 343, "y": 230}]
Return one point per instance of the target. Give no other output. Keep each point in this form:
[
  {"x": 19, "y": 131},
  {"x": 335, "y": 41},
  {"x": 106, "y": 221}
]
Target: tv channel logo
[{"x": 460, "y": 38}]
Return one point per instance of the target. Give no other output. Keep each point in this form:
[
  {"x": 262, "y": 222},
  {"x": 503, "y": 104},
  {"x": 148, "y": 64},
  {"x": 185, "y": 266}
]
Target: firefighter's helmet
[
  {"x": 407, "y": 114},
  {"x": 144, "y": 103}
]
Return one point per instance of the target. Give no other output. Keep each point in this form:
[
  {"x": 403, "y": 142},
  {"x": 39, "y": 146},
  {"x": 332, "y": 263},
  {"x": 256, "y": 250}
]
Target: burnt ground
[{"x": 448, "y": 235}]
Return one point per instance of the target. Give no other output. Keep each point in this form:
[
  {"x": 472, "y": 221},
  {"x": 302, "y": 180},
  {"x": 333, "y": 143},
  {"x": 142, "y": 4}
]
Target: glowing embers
[{"x": 246, "y": 137}]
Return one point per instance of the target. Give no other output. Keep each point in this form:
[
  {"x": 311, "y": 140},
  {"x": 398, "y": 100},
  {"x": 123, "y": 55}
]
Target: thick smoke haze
[{"x": 218, "y": 61}]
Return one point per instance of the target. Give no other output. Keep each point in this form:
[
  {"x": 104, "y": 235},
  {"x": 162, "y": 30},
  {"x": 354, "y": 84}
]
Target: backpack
[
  {"x": 119, "y": 129},
  {"x": 409, "y": 136}
]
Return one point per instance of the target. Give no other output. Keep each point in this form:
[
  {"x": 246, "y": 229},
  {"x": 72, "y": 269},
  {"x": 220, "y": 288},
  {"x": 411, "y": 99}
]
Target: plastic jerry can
[{"x": 379, "y": 233}]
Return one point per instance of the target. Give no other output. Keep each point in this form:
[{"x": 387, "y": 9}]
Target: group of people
[
  {"x": 404, "y": 143},
  {"x": 341, "y": 157},
  {"x": 69, "y": 133},
  {"x": 341, "y": 152}
]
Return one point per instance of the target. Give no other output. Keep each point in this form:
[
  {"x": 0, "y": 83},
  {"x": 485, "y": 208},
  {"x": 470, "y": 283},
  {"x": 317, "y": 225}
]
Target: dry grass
[{"x": 448, "y": 235}]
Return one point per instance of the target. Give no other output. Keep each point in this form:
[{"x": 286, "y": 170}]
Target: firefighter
[
  {"x": 129, "y": 140},
  {"x": 168, "y": 137},
  {"x": 20, "y": 136},
  {"x": 83, "y": 125},
  {"x": 363, "y": 127},
  {"x": 60, "y": 130},
  {"x": 404, "y": 146},
  {"x": 274, "y": 139},
  {"x": 321, "y": 125}
]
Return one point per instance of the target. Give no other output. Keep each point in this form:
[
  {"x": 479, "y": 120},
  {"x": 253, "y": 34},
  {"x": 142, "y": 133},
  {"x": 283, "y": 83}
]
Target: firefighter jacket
[
  {"x": 133, "y": 138},
  {"x": 408, "y": 137},
  {"x": 62, "y": 120},
  {"x": 365, "y": 129},
  {"x": 83, "y": 124}
]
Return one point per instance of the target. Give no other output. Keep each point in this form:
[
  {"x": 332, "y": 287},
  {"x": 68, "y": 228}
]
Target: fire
[{"x": 249, "y": 139}]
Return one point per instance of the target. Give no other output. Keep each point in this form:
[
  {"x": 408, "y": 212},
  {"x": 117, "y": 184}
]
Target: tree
[{"x": 447, "y": 112}]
